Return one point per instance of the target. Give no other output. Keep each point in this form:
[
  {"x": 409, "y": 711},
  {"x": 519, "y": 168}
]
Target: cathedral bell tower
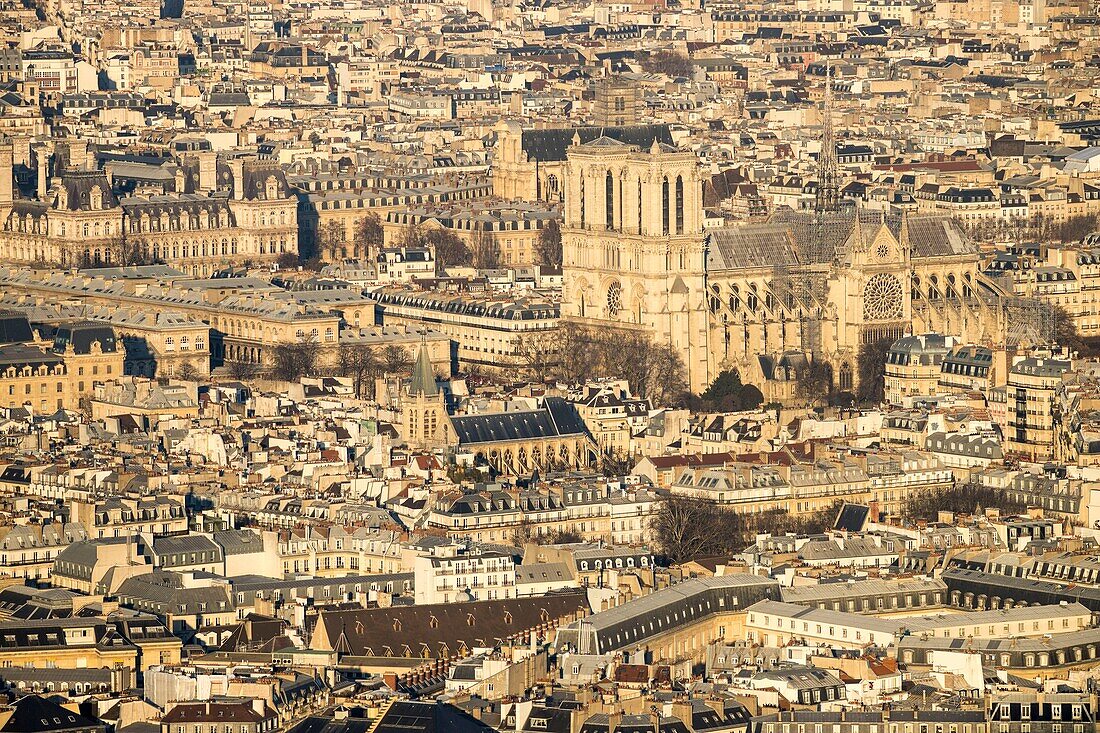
[{"x": 633, "y": 245}]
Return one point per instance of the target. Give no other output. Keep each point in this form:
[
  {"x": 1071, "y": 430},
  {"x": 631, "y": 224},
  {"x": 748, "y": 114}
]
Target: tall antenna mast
[{"x": 828, "y": 195}]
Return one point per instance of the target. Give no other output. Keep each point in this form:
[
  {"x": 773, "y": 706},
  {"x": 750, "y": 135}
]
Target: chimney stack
[
  {"x": 42, "y": 158},
  {"x": 237, "y": 166},
  {"x": 78, "y": 153},
  {"x": 208, "y": 171},
  {"x": 7, "y": 189}
]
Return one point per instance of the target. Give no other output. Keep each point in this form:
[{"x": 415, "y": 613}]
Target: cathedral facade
[{"x": 754, "y": 296}]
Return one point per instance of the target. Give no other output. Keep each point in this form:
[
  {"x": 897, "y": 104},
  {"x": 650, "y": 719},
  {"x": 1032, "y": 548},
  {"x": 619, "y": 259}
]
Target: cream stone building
[
  {"x": 818, "y": 283},
  {"x": 217, "y": 213}
]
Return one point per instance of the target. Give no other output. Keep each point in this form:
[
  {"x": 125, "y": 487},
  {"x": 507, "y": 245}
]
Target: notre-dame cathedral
[{"x": 751, "y": 296}]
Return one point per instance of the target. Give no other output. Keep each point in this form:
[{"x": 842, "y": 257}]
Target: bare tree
[
  {"x": 485, "y": 249},
  {"x": 295, "y": 360},
  {"x": 576, "y": 353},
  {"x": 871, "y": 363},
  {"x": 689, "y": 528},
  {"x": 814, "y": 381},
  {"x": 536, "y": 352},
  {"x": 448, "y": 247},
  {"x": 331, "y": 241},
  {"x": 653, "y": 370},
  {"x": 287, "y": 261},
  {"x": 369, "y": 234},
  {"x": 548, "y": 249},
  {"x": 395, "y": 359},
  {"x": 187, "y": 371},
  {"x": 670, "y": 63},
  {"x": 685, "y": 529},
  {"x": 412, "y": 236},
  {"x": 243, "y": 371},
  {"x": 133, "y": 251},
  {"x": 961, "y": 499},
  {"x": 359, "y": 362}
]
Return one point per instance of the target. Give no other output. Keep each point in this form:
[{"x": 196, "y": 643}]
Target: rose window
[
  {"x": 614, "y": 299},
  {"x": 882, "y": 298}
]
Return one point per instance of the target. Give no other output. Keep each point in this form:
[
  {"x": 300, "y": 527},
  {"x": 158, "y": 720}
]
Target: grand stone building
[
  {"x": 200, "y": 213},
  {"x": 746, "y": 296}
]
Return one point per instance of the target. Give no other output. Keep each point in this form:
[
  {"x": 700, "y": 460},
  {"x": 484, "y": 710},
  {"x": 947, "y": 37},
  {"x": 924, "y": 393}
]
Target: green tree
[{"x": 724, "y": 386}]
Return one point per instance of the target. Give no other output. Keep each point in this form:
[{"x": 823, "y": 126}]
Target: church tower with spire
[
  {"x": 828, "y": 187},
  {"x": 423, "y": 410}
]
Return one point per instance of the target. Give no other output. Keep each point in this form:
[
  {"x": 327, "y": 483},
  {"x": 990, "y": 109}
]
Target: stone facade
[
  {"x": 746, "y": 296},
  {"x": 218, "y": 214}
]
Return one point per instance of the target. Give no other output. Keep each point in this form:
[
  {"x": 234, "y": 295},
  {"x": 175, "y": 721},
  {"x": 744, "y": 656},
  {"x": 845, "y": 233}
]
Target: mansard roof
[
  {"x": 440, "y": 629},
  {"x": 78, "y": 186}
]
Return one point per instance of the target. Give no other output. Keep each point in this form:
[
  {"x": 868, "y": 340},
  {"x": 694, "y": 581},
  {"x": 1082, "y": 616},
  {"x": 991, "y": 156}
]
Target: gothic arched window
[
  {"x": 845, "y": 377},
  {"x": 609, "y": 199},
  {"x": 664, "y": 206},
  {"x": 679, "y": 204},
  {"x": 582, "y": 202}
]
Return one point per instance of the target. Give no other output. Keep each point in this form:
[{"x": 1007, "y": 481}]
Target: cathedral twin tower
[{"x": 634, "y": 251}]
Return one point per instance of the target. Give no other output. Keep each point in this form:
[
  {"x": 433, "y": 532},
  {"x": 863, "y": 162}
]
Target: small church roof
[{"x": 423, "y": 376}]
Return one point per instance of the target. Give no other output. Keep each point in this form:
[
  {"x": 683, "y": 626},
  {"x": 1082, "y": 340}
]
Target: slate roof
[
  {"x": 852, "y": 517},
  {"x": 385, "y": 631},
  {"x": 423, "y": 376},
  {"x": 33, "y": 714},
  {"x": 633, "y": 622},
  {"x": 165, "y": 547},
  {"x": 214, "y": 712},
  {"x": 791, "y": 238},
  {"x": 543, "y": 572},
  {"x": 163, "y": 592},
  {"x": 551, "y": 144},
  {"x": 20, "y": 355},
  {"x": 14, "y": 328},
  {"x": 239, "y": 541},
  {"x": 557, "y": 418}
]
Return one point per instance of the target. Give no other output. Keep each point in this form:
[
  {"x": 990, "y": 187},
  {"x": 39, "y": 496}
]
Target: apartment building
[
  {"x": 491, "y": 332},
  {"x": 1030, "y": 411},
  {"x": 454, "y": 572},
  {"x": 122, "y": 516}
]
